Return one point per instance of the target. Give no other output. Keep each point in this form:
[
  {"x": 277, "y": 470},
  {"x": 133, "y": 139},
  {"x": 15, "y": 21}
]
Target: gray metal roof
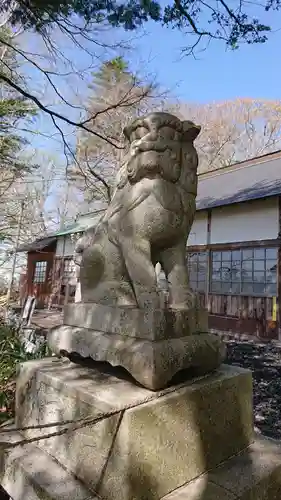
[
  {"x": 84, "y": 222},
  {"x": 240, "y": 182},
  {"x": 36, "y": 245}
]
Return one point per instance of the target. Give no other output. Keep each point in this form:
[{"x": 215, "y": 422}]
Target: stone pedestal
[
  {"x": 152, "y": 346},
  {"x": 28, "y": 473},
  {"x": 254, "y": 474},
  {"x": 193, "y": 441},
  {"x": 150, "y": 443}
]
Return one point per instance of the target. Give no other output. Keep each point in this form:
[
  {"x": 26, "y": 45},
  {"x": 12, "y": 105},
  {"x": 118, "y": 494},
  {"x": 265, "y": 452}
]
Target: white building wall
[
  {"x": 198, "y": 233},
  {"x": 249, "y": 221},
  {"x": 65, "y": 246}
]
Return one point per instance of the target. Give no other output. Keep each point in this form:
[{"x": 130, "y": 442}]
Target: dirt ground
[{"x": 265, "y": 362}]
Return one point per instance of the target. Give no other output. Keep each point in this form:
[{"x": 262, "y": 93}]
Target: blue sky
[{"x": 217, "y": 73}]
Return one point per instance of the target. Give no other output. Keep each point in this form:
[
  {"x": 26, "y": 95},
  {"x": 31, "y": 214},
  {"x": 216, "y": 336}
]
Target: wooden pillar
[
  {"x": 62, "y": 267},
  {"x": 209, "y": 262},
  {"x": 279, "y": 272},
  {"x": 66, "y": 294},
  {"x": 78, "y": 292}
]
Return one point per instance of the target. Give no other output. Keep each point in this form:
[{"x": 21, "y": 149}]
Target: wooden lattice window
[
  {"x": 40, "y": 272},
  {"x": 248, "y": 271},
  {"x": 197, "y": 270}
]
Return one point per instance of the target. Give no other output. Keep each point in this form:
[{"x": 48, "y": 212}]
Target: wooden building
[
  {"x": 50, "y": 274},
  {"x": 234, "y": 255},
  {"x": 233, "y": 251}
]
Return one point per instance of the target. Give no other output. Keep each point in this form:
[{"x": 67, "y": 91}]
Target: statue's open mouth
[{"x": 156, "y": 147}]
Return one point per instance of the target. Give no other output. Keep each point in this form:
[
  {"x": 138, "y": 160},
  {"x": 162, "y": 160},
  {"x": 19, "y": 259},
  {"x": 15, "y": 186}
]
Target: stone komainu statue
[{"x": 148, "y": 220}]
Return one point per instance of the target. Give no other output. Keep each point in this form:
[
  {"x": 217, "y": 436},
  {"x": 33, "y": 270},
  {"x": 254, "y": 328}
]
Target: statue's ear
[
  {"x": 127, "y": 132},
  {"x": 190, "y": 131}
]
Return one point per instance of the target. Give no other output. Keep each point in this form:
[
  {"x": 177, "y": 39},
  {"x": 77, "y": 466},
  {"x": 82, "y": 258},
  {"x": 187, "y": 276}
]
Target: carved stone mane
[{"x": 158, "y": 132}]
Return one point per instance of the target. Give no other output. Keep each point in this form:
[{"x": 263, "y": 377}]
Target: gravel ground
[{"x": 265, "y": 362}]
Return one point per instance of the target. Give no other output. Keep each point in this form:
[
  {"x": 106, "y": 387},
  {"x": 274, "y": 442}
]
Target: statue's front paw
[{"x": 148, "y": 299}]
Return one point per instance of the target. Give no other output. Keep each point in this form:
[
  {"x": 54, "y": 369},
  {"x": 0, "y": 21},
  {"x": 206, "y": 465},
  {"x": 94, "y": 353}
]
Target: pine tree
[
  {"x": 119, "y": 91},
  {"x": 13, "y": 109}
]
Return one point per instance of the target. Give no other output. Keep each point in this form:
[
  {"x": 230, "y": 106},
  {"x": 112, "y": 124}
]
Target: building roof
[
  {"x": 248, "y": 180},
  {"x": 85, "y": 222},
  {"x": 38, "y": 244}
]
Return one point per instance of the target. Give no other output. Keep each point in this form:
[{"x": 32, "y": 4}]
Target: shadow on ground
[{"x": 265, "y": 362}]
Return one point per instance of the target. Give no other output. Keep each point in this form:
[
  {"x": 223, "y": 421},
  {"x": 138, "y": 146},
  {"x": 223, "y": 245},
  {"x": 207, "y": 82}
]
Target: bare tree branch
[
  {"x": 236, "y": 130},
  {"x": 54, "y": 114},
  {"x": 45, "y": 72},
  {"x": 101, "y": 179}
]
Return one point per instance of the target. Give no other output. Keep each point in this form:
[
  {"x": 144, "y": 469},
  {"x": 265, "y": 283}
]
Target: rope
[{"x": 85, "y": 421}]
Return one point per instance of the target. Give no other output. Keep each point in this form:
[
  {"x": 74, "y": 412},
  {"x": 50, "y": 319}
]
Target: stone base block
[
  {"x": 149, "y": 443},
  {"x": 27, "y": 473},
  {"x": 254, "y": 474},
  {"x": 152, "y": 363},
  {"x": 145, "y": 324}
]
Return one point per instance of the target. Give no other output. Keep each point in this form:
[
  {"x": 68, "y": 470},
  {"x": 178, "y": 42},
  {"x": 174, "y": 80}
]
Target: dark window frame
[
  {"x": 195, "y": 262},
  {"x": 258, "y": 263},
  {"x": 40, "y": 272},
  {"x": 253, "y": 268}
]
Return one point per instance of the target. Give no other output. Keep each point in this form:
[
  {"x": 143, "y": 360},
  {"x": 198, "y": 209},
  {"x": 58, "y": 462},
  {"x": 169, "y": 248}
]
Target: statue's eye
[
  {"x": 167, "y": 133},
  {"x": 139, "y": 133}
]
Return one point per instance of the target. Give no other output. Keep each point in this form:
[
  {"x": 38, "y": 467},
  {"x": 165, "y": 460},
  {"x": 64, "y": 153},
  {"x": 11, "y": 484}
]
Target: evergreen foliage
[
  {"x": 13, "y": 109},
  {"x": 116, "y": 97},
  {"x": 230, "y": 21}
]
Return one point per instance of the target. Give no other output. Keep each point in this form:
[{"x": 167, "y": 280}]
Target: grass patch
[{"x": 12, "y": 353}]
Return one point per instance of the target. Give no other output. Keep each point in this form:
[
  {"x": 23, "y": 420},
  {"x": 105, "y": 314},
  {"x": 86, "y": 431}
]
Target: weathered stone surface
[
  {"x": 200, "y": 489},
  {"x": 148, "y": 220},
  {"x": 154, "y": 443},
  {"x": 138, "y": 323},
  {"x": 27, "y": 473},
  {"x": 152, "y": 364},
  {"x": 255, "y": 474}
]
